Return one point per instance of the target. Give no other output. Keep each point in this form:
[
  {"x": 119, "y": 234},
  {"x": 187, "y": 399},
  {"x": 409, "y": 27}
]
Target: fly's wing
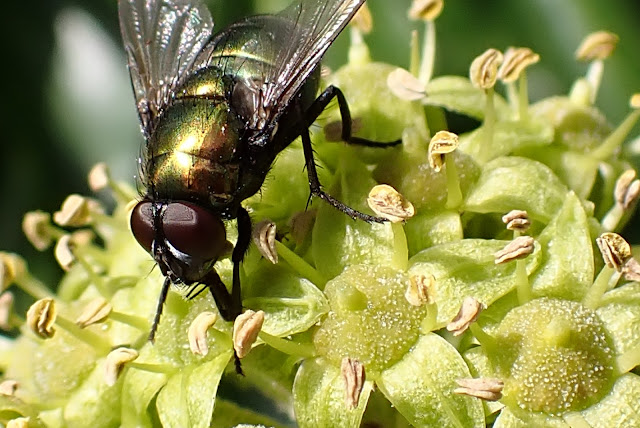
[
  {"x": 162, "y": 39},
  {"x": 317, "y": 24}
]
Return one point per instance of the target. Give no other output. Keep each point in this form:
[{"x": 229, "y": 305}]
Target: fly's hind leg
[
  {"x": 312, "y": 113},
  {"x": 323, "y": 101},
  {"x": 221, "y": 296},
  {"x": 316, "y": 188}
]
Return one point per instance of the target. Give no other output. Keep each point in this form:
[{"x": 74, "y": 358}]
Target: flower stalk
[{"x": 614, "y": 141}]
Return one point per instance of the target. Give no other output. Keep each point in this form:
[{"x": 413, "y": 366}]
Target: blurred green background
[{"x": 67, "y": 103}]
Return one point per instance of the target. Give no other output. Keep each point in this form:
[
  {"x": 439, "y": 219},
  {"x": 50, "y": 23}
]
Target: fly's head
[{"x": 184, "y": 238}]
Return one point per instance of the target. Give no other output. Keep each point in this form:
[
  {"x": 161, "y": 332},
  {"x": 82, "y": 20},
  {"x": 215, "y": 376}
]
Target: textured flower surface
[{"x": 502, "y": 297}]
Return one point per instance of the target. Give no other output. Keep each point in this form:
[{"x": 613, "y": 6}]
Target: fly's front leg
[
  {"x": 221, "y": 296},
  {"x": 230, "y": 304},
  {"x": 242, "y": 244},
  {"x": 156, "y": 319}
]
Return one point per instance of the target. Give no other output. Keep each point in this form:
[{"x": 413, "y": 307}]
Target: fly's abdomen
[{"x": 192, "y": 155}]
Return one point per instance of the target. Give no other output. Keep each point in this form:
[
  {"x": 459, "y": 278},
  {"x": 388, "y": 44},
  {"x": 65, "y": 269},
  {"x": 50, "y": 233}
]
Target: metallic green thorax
[{"x": 197, "y": 150}]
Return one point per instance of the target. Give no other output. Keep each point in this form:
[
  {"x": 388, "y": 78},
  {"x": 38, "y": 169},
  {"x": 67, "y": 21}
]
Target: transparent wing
[
  {"x": 162, "y": 38},
  {"x": 317, "y": 24}
]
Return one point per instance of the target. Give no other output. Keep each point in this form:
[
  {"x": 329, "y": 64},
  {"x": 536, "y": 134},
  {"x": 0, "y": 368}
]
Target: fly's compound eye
[
  {"x": 194, "y": 231},
  {"x": 142, "y": 224}
]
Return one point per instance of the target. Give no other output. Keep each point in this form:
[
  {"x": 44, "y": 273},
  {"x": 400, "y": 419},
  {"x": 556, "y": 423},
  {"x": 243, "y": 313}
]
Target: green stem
[
  {"x": 299, "y": 265},
  {"x": 288, "y": 347},
  {"x": 522, "y": 280},
  {"x": 489, "y": 118},
  {"x": 580, "y": 93},
  {"x": 454, "y": 193},
  {"x": 599, "y": 287},
  {"x": 358, "y": 51},
  {"x": 96, "y": 341},
  {"x": 103, "y": 219},
  {"x": 523, "y": 97},
  {"x": 594, "y": 77},
  {"x": 612, "y": 218},
  {"x": 121, "y": 192},
  {"x": 15, "y": 320},
  {"x": 436, "y": 119},
  {"x": 166, "y": 369},
  {"x": 512, "y": 95},
  {"x": 33, "y": 287},
  {"x": 94, "y": 253},
  {"x": 428, "y": 53},
  {"x": 132, "y": 320},
  {"x": 94, "y": 278},
  {"x": 430, "y": 321},
  {"x": 487, "y": 341},
  {"x": 617, "y": 137},
  {"x": 400, "y": 259},
  {"x": 414, "y": 58},
  {"x": 56, "y": 232}
]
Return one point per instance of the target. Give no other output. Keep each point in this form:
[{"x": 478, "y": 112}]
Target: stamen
[{"x": 354, "y": 376}]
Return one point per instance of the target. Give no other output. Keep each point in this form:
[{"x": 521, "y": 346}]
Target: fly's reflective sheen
[{"x": 215, "y": 110}]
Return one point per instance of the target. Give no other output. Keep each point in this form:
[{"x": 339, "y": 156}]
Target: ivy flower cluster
[{"x": 500, "y": 291}]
